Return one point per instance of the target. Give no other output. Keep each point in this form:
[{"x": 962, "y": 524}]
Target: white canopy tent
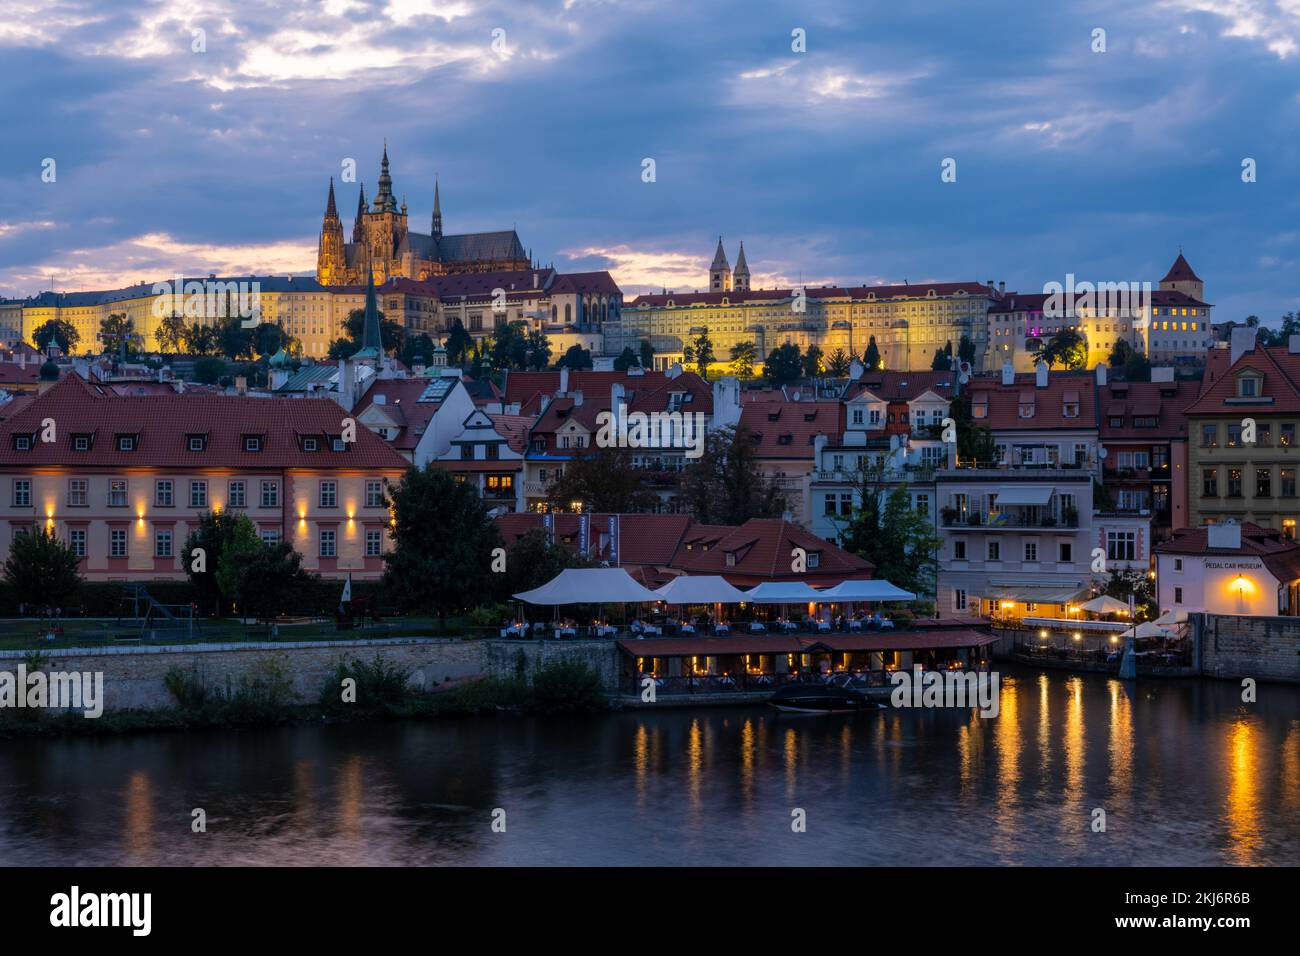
[
  {"x": 1148, "y": 629},
  {"x": 1024, "y": 495},
  {"x": 1105, "y": 605},
  {"x": 867, "y": 591},
  {"x": 785, "y": 592},
  {"x": 589, "y": 586},
  {"x": 1172, "y": 617},
  {"x": 700, "y": 589}
]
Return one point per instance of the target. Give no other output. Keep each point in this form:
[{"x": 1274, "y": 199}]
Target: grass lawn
[{"x": 27, "y": 633}]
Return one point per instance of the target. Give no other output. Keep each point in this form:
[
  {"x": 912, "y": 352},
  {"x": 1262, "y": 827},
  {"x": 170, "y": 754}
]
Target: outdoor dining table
[
  {"x": 887, "y": 623},
  {"x": 756, "y": 627},
  {"x": 789, "y": 626},
  {"x": 688, "y": 628},
  {"x": 855, "y": 625},
  {"x": 721, "y": 628},
  {"x": 605, "y": 630},
  {"x": 566, "y": 632},
  {"x": 514, "y": 629},
  {"x": 823, "y": 625}
]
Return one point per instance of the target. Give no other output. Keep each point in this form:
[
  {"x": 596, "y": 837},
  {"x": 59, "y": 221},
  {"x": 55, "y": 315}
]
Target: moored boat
[{"x": 819, "y": 699}]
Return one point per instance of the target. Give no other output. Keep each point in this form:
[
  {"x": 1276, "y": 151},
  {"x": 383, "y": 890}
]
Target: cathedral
[{"x": 380, "y": 238}]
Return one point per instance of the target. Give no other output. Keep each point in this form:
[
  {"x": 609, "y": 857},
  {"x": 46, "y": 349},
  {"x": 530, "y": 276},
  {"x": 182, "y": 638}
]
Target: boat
[{"x": 820, "y": 699}]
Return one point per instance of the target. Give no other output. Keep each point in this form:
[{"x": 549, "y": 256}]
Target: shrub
[
  {"x": 381, "y": 686},
  {"x": 567, "y": 687},
  {"x": 186, "y": 688}
]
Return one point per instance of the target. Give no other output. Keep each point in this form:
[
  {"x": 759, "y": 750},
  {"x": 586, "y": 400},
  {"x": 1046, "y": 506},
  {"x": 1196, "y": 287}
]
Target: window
[
  {"x": 958, "y": 599},
  {"x": 23, "y": 442},
  {"x": 1263, "y": 482},
  {"x": 162, "y": 493},
  {"x": 117, "y": 543},
  {"x": 198, "y": 494},
  {"x": 1234, "y": 482},
  {"x": 959, "y": 550},
  {"x": 1210, "y": 435},
  {"x": 117, "y": 493},
  {"x": 252, "y": 443},
  {"x": 329, "y": 497},
  {"x": 467, "y": 450},
  {"x": 1064, "y": 552},
  {"x": 846, "y": 502},
  {"x": 1178, "y": 564},
  {"x": 81, "y": 443},
  {"x": 374, "y": 494},
  {"x": 1248, "y": 387},
  {"x": 1288, "y": 482},
  {"x": 327, "y": 544},
  {"x": 270, "y": 536},
  {"x": 270, "y": 494},
  {"x": 1121, "y": 545},
  {"x": 77, "y": 541},
  {"x": 309, "y": 444},
  {"x": 235, "y": 494},
  {"x": 1234, "y": 436},
  {"x": 162, "y": 544},
  {"x": 77, "y": 492},
  {"x": 814, "y": 559},
  {"x": 922, "y": 506},
  {"x": 374, "y": 543},
  {"x": 126, "y": 443},
  {"x": 196, "y": 443},
  {"x": 993, "y": 551},
  {"x": 1178, "y": 595},
  {"x": 1264, "y": 435},
  {"x": 341, "y": 445},
  {"x": 1210, "y": 482},
  {"x": 1031, "y": 551}
]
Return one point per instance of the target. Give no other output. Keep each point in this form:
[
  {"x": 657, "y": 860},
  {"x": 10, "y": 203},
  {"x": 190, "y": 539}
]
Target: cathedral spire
[
  {"x": 741, "y": 275},
  {"x": 372, "y": 345},
  {"x": 437, "y": 211},
  {"x": 359, "y": 224},
  {"x": 384, "y": 201},
  {"x": 720, "y": 271},
  {"x": 330, "y": 208}
]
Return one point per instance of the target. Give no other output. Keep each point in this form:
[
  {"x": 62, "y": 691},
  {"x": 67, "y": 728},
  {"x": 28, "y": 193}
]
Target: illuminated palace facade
[{"x": 908, "y": 322}]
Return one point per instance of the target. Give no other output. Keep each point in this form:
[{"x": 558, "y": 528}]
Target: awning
[
  {"x": 700, "y": 589},
  {"x": 589, "y": 586},
  {"x": 1024, "y": 495},
  {"x": 1046, "y": 594},
  {"x": 867, "y": 591},
  {"x": 785, "y": 592}
]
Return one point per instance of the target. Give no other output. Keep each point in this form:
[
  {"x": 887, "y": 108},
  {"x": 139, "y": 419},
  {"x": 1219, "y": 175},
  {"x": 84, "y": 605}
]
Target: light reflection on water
[{"x": 1185, "y": 772}]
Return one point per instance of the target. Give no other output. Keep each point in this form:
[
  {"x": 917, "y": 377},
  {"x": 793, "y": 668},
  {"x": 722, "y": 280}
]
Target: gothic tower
[
  {"x": 386, "y": 226},
  {"x": 359, "y": 224},
  {"x": 1182, "y": 278},
  {"x": 437, "y": 213},
  {"x": 742, "y": 271},
  {"x": 720, "y": 271},
  {"x": 330, "y": 264}
]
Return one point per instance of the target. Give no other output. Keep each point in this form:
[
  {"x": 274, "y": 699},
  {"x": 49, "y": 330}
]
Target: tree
[
  {"x": 116, "y": 332},
  {"x": 533, "y": 560},
  {"x": 647, "y": 355},
  {"x": 974, "y": 441},
  {"x": 539, "y": 350},
  {"x": 215, "y": 534},
  {"x": 390, "y": 333},
  {"x": 61, "y": 333},
  {"x": 726, "y": 485},
  {"x": 626, "y": 359},
  {"x": 171, "y": 334},
  {"x": 444, "y": 539},
  {"x": 604, "y": 481},
  {"x": 341, "y": 349},
  {"x": 966, "y": 349},
  {"x": 837, "y": 364},
  {"x": 812, "y": 361},
  {"x": 872, "y": 359},
  {"x": 459, "y": 343},
  {"x": 942, "y": 359},
  {"x": 239, "y": 547},
  {"x": 267, "y": 338},
  {"x": 203, "y": 340},
  {"x": 702, "y": 348},
  {"x": 887, "y": 531},
  {"x": 208, "y": 370},
  {"x": 41, "y": 570},
  {"x": 743, "y": 357},
  {"x": 1065, "y": 348},
  {"x": 417, "y": 350},
  {"x": 236, "y": 341},
  {"x": 1131, "y": 581},
  {"x": 576, "y": 358},
  {"x": 1126, "y": 361},
  {"x": 266, "y": 579},
  {"x": 783, "y": 365},
  {"x": 510, "y": 345}
]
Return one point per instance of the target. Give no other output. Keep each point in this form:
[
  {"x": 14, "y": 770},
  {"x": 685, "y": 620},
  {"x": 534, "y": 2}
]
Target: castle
[{"x": 380, "y": 237}]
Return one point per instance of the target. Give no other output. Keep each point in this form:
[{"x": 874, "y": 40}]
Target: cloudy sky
[{"x": 826, "y": 163}]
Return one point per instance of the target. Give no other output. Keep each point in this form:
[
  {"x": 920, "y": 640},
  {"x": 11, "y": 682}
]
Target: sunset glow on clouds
[{"x": 538, "y": 115}]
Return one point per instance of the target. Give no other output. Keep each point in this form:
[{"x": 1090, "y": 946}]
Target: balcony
[
  {"x": 1006, "y": 521},
  {"x": 912, "y": 474},
  {"x": 537, "y": 489},
  {"x": 994, "y": 471}
]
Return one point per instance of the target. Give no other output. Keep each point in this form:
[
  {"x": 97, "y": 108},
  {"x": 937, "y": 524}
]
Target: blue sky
[{"x": 826, "y": 163}]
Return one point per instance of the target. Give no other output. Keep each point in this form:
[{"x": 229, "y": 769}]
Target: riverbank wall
[
  {"x": 1233, "y": 647},
  {"x": 135, "y": 677}
]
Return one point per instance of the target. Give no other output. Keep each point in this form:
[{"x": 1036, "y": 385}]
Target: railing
[
  {"x": 1006, "y": 521},
  {"x": 966, "y": 470},
  {"x": 919, "y": 474}
]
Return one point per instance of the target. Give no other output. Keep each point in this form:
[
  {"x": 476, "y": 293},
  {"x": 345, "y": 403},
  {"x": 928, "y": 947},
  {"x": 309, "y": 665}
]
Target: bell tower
[{"x": 330, "y": 264}]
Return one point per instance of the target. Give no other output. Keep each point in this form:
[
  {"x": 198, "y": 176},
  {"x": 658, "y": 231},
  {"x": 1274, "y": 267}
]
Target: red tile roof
[
  {"x": 1167, "y": 401},
  {"x": 514, "y": 429},
  {"x": 787, "y": 429},
  {"x": 1279, "y": 553},
  {"x": 1181, "y": 271},
  {"x": 902, "y": 386},
  {"x": 401, "y": 403},
  {"x": 1281, "y": 372},
  {"x": 915, "y": 290},
  {"x": 1003, "y": 401},
  {"x": 526, "y": 387},
  {"x": 164, "y": 423}
]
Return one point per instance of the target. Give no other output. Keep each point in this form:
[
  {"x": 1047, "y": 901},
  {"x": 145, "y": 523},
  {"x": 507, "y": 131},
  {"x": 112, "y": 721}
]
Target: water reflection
[{"x": 1187, "y": 776}]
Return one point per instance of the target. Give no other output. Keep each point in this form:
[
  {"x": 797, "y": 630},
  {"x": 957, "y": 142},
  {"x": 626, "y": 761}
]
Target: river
[{"x": 1185, "y": 772}]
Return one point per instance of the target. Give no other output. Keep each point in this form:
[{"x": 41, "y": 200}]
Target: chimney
[
  {"x": 1040, "y": 375},
  {"x": 1293, "y": 345},
  {"x": 1002, "y": 287},
  {"x": 1226, "y": 535},
  {"x": 1008, "y": 373},
  {"x": 1101, "y": 373},
  {"x": 577, "y": 399},
  {"x": 241, "y": 385},
  {"x": 347, "y": 389},
  {"x": 856, "y": 369},
  {"x": 564, "y": 379},
  {"x": 1164, "y": 373},
  {"x": 617, "y": 396},
  {"x": 1243, "y": 341}
]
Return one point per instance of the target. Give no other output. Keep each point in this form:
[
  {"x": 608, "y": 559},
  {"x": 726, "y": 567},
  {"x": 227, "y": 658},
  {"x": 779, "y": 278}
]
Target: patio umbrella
[
  {"x": 1105, "y": 605},
  {"x": 1147, "y": 629},
  {"x": 1172, "y": 617}
]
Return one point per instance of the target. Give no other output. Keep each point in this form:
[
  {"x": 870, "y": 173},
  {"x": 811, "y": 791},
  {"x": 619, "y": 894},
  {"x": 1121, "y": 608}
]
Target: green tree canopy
[
  {"x": 626, "y": 359},
  {"x": 1065, "y": 348},
  {"x": 812, "y": 361},
  {"x": 784, "y": 364},
  {"x": 214, "y": 535},
  {"x": 743, "y": 357},
  {"x": 171, "y": 334},
  {"x": 837, "y": 364},
  {"x": 887, "y": 531},
  {"x": 62, "y": 334},
  {"x": 726, "y": 485},
  {"x": 116, "y": 333},
  {"x": 576, "y": 358},
  {"x": 459, "y": 343},
  {"x": 872, "y": 359},
  {"x": 702, "y": 349},
  {"x": 41, "y": 570},
  {"x": 603, "y": 481}
]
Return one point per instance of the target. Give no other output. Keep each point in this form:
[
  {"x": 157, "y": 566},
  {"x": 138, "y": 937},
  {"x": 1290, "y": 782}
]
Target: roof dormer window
[
  {"x": 126, "y": 442},
  {"x": 309, "y": 444},
  {"x": 252, "y": 443},
  {"x": 339, "y": 444},
  {"x": 196, "y": 442},
  {"x": 22, "y": 442},
  {"x": 1248, "y": 386}
]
